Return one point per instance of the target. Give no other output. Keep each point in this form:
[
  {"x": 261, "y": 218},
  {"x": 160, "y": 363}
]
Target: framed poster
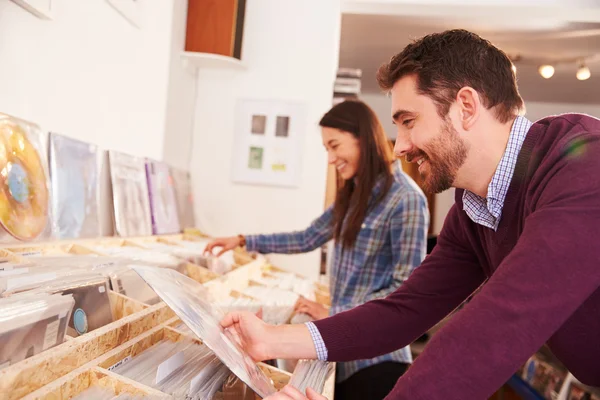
[
  {"x": 129, "y": 9},
  {"x": 268, "y": 143},
  {"x": 40, "y": 8}
]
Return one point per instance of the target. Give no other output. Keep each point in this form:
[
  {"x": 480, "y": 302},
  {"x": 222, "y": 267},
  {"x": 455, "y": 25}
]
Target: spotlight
[
  {"x": 546, "y": 71},
  {"x": 583, "y": 73}
]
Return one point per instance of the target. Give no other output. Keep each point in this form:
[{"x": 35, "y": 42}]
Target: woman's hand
[
  {"x": 312, "y": 308},
  {"x": 291, "y": 393},
  {"x": 225, "y": 243}
]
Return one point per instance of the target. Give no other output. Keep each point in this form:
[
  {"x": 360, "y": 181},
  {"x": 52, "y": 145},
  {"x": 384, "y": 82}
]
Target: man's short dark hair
[{"x": 446, "y": 62}]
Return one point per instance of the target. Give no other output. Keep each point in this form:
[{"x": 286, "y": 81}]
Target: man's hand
[
  {"x": 262, "y": 341},
  {"x": 253, "y": 334},
  {"x": 314, "y": 309},
  {"x": 226, "y": 244},
  {"x": 291, "y": 393}
]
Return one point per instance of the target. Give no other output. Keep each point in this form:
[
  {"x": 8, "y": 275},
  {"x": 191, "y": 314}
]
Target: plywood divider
[
  {"x": 80, "y": 380},
  {"x": 123, "y": 306},
  {"x": 32, "y": 373}
]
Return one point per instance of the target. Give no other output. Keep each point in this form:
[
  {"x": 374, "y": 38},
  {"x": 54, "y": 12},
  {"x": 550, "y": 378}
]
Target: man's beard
[{"x": 445, "y": 155}]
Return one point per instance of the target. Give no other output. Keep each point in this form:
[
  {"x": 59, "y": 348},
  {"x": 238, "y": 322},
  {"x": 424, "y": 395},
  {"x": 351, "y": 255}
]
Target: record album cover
[
  {"x": 74, "y": 172},
  {"x": 130, "y": 195},
  {"x": 162, "y": 198},
  {"x": 185, "y": 199},
  {"x": 25, "y": 206}
]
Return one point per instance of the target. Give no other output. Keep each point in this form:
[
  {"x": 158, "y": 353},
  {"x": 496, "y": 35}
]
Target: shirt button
[{"x": 363, "y": 225}]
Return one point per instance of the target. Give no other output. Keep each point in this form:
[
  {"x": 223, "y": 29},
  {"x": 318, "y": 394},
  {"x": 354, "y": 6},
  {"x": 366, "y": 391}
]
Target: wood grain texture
[{"x": 210, "y": 26}]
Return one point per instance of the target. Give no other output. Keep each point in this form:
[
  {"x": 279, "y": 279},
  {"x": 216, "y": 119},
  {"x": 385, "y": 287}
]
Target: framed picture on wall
[
  {"x": 40, "y": 8},
  {"x": 269, "y": 136},
  {"x": 129, "y": 9}
]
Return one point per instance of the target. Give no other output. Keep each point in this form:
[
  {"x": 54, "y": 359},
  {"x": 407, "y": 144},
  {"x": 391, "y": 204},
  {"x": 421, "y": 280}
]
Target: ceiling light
[
  {"x": 583, "y": 73},
  {"x": 546, "y": 71}
]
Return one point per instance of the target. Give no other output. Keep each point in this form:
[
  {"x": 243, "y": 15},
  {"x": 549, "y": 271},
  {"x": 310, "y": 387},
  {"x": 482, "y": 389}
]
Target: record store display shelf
[
  {"x": 97, "y": 372},
  {"x": 68, "y": 369}
]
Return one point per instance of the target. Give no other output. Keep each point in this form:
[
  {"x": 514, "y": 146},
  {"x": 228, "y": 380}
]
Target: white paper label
[
  {"x": 30, "y": 253},
  {"x": 27, "y": 280},
  {"x": 119, "y": 363},
  {"x": 167, "y": 367},
  {"x": 6, "y": 267},
  {"x": 51, "y": 336},
  {"x": 102, "y": 289},
  {"x": 15, "y": 271}
]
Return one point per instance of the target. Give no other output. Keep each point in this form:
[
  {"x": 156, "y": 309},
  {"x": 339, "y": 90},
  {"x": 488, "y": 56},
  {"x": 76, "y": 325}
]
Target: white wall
[
  {"x": 88, "y": 73},
  {"x": 286, "y": 59},
  {"x": 537, "y": 110},
  {"x": 181, "y": 96}
]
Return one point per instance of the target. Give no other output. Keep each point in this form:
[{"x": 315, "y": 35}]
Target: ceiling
[{"x": 368, "y": 40}]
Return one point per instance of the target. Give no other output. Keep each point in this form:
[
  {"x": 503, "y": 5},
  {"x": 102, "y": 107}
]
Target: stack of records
[
  {"x": 130, "y": 195},
  {"x": 347, "y": 84},
  {"x": 30, "y": 324},
  {"x": 185, "y": 199},
  {"x": 74, "y": 171},
  {"x": 163, "y": 204},
  {"x": 192, "y": 303},
  {"x": 25, "y": 213},
  {"x": 311, "y": 374}
]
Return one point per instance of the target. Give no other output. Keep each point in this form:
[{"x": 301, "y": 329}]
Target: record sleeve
[
  {"x": 25, "y": 196},
  {"x": 192, "y": 303},
  {"x": 162, "y": 199},
  {"x": 31, "y": 324},
  {"x": 74, "y": 173},
  {"x": 185, "y": 199},
  {"x": 130, "y": 195}
]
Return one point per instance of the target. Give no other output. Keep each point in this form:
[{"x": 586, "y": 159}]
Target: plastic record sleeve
[
  {"x": 130, "y": 195},
  {"x": 191, "y": 302},
  {"x": 185, "y": 200},
  {"x": 25, "y": 213},
  {"x": 163, "y": 204},
  {"x": 74, "y": 172}
]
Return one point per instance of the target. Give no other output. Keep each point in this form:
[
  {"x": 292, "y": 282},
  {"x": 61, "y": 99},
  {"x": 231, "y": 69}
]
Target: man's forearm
[{"x": 291, "y": 342}]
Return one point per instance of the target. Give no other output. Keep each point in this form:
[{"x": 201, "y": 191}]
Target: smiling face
[
  {"x": 426, "y": 138},
  {"x": 343, "y": 151}
]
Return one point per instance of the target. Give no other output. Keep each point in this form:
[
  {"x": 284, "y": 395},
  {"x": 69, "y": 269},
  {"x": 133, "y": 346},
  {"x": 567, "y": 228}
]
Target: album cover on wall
[
  {"x": 25, "y": 206},
  {"x": 185, "y": 198},
  {"x": 162, "y": 198},
  {"x": 74, "y": 173},
  {"x": 130, "y": 195}
]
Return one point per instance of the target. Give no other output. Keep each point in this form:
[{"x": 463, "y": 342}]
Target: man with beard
[{"x": 523, "y": 230}]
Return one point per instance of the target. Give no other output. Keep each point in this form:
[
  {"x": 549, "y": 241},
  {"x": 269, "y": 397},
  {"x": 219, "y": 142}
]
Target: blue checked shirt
[
  {"x": 390, "y": 245},
  {"x": 488, "y": 211}
]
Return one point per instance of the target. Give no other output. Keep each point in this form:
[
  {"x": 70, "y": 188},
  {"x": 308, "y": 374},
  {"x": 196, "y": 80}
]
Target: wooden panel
[
  {"x": 123, "y": 306},
  {"x": 79, "y": 381},
  {"x": 30, "y": 374},
  {"x": 211, "y": 26}
]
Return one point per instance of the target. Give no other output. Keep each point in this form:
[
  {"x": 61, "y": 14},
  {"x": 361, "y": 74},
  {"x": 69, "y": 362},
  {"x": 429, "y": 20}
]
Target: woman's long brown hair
[{"x": 353, "y": 196}]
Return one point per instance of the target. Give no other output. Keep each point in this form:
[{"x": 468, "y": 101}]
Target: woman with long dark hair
[{"x": 379, "y": 223}]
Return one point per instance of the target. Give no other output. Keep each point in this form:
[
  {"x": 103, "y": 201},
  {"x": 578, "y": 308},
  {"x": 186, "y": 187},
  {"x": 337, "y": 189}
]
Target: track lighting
[
  {"x": 546, "y": 71},
  {"x": 583, "y": 73}
]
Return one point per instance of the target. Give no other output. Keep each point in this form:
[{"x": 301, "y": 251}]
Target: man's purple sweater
[{"x": 543, "y": 272}]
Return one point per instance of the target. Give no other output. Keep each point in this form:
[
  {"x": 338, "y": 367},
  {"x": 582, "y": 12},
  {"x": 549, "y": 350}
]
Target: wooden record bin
[
  {"x": 68, "y": 369},
  {"x": 215, "y": 27}
]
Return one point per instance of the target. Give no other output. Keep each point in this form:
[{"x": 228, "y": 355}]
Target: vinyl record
[
  {"x": 185, "y": 199},
  {"x": 74, "y": 172},
  {"x": 130, "y": 195},
  {"x": 162, "y": 199},
  {"x": 24, "y": 188}
]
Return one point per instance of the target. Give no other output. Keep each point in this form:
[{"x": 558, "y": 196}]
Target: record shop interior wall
[
  {"x": 89, "y": 73},
  {"x": 290, "y": 49}
]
